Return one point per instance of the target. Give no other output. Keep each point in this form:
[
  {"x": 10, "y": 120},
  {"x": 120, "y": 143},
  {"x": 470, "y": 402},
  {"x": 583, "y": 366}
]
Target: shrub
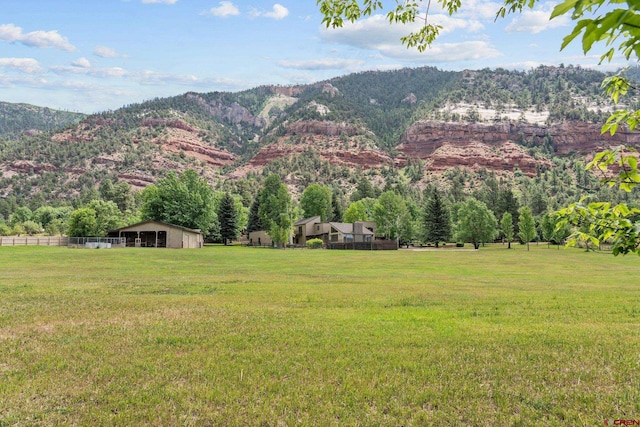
[
  {"x": 459, "y": 245},
  {"x": 315, "y": 243}
]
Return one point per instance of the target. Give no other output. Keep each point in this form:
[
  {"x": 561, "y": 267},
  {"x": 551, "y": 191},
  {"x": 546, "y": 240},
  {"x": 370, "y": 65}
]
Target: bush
[
  {"x": 5, "y": 230},
  {"x": 315, "y": 243},
  {"x": 459, "y": 245}
]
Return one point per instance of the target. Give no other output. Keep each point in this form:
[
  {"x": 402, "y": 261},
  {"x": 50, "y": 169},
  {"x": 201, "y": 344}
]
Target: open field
[{"x": 245, "y": 336}]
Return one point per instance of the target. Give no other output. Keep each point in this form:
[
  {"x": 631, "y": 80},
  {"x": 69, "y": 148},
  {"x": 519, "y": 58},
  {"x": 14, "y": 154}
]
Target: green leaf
[{"x": 563, "y": 8}]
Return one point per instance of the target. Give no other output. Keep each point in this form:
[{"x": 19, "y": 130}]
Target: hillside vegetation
[
  {"x": 16, "y": 119},
  {"x": 472, "y": 132}
]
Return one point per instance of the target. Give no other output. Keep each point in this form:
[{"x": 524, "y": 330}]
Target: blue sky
[{"x": 95, "y": 55}]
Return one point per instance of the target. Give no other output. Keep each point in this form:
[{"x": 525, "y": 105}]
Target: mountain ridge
[{"x": 371, "y": 121}]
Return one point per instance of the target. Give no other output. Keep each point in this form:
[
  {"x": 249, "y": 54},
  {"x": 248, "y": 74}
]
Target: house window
[{"x": 348, "y": 238}]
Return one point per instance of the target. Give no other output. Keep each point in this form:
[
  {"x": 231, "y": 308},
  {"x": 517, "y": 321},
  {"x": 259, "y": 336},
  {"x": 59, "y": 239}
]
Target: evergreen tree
[
  {"x": 436, "y": 220},
  {"x": 507, "y": 202},
  {"x": 364, "y": 189},
  {"x": 228, "y": 218},
  {"x": 337, "y": 211},
  {"x": 527, "y": 226},
  {"x": 254, "y": 223}
]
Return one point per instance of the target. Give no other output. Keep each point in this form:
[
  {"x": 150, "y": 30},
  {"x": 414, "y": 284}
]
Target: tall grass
[{"x": 239, "y": 336}]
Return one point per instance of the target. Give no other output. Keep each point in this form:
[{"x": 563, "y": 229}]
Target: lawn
[{"x": 247, "y": 336}]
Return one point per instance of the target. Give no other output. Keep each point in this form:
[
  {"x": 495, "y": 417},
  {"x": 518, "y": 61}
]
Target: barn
[{"x": 156, "y": 234}]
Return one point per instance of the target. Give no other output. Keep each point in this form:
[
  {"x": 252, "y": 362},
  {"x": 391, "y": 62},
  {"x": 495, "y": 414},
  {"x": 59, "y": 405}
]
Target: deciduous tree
[
  {"x": 316, "y": 200},
  {"x": 391, "y": 215},
  {"x": 276, "y": 210},
  {"x": 357, "y": 211},
  {"x": 526, "y": 225},
  {"x": 186, "y": 200},
  {"x": 82, "y": 223},
  {"x": 506, "y": 226},
  {"x": 476, "y": 223}
]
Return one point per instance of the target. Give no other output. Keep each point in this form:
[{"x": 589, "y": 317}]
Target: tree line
[{"x": 433, "y": 216}]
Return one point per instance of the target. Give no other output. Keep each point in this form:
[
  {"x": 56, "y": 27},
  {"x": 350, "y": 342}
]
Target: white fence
[{"x": 34, "y": 241}]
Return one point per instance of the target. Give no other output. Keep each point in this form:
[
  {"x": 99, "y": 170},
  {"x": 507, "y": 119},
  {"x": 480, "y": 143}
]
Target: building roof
[
  {"x": 346, "y": 228},
  {"x": 304, "y": 221},
  {"x": 179, "y": 227}
]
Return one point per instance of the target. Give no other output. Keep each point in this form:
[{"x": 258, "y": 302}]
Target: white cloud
[
  {"x": 536, "y": 21},
  {"x": 479, "y": 9},
  {"x": 278, "y": 12},
  {"x": 322, "y": 64},
  {"x": 78, "y": 68},
  {"x": 26, "y": 65},
  {"x": 42, "y": 39},
  {"x": 107, "y": 52},
  {"x": 159, "y": 1},
  {"x": 82, "y": 63},
  {"x": 153, "y": 78},
  {"x": 376, "y": 34},
  {"x": 225, "y": 9},
  {"x": 25, "y": 81}
]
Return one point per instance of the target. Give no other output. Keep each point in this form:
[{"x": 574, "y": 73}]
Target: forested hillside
[
  {"x": 15, "y": 119},
  {"x": 478, "y": 133}
]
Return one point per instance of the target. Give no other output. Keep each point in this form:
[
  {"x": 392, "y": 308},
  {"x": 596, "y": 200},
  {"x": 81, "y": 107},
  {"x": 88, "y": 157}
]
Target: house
[
  {"x": 340, "y": 232},
  {"x": 333, "y": 232},
  {"x": 260, "y": 238},
  {"x": 156, "y": 234},
  {"x": 335, "y": 235},
  {"x": 305, "y": 229}
]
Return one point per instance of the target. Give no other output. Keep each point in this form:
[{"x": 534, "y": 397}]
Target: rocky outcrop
[
  {"x": 366, "y": 158},
  {"x": 234, "y": 113},
  {"x": 424, "y": 137},
  {"x": 493, "y": 146},
  {"x": 177, "y": 124},
  {"x": 326, "y": 128},
  {"x": 476, "y": 155},
  {"x": 293, "y": 91},
  {"x": 410, "y": 99},
  {"x": 136, "y": 180},
  {"x": 330, "y": 89},
  {"x": 338, "y": 143},
  {"x": 180, "y": 141}
]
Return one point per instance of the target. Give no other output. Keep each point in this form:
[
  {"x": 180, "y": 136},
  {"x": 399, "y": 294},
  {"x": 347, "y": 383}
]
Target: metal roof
[{"x": 191, "y": 230}]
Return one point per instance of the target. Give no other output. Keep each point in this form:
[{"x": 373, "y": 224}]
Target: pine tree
[
  {"x": 228, "y": 217},
  {"x": 336, "y": 209},
  {"x": 436, "y": 220},
  {"x": 254, "y": 223}
]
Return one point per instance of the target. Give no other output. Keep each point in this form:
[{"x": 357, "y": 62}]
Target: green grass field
[{"x": 242, "y": 336}]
